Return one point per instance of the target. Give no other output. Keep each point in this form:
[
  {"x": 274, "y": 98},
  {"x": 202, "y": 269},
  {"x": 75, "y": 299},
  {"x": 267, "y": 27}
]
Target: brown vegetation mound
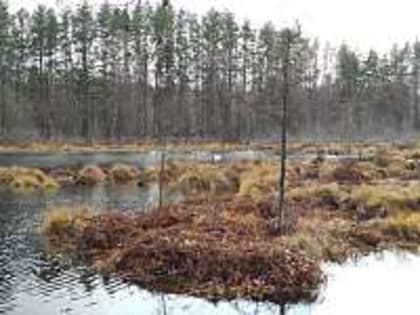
[
  {"x": 123, "y": 174},
  {"x": 90, "y": 176},
  {"x": 218, "y": 251}
]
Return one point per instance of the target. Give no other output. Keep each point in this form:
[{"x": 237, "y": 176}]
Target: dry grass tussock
[
  {"x": 24, "y": 179},
  {"x": 90, "y": 175},
  {"x": 319, "y": 195},
  {"x": 402, "y": 225},
  {"x": 259, "y": 181},
  {"x": 392, "y": 196},
  {"x": 205, "y": 179},
  {"x": 61, "y": 220},
  {"x": 123, "y": 174}
]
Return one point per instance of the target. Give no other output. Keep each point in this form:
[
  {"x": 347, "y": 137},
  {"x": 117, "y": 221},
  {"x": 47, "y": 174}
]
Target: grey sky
[{"x": 361, "y": 23}]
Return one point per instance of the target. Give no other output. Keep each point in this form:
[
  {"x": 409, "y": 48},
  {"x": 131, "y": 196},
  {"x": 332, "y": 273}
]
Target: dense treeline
[{"x": 140, "y": 71}]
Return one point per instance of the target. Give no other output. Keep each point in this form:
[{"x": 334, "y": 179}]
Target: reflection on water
[{"x": 385, "y": 284}]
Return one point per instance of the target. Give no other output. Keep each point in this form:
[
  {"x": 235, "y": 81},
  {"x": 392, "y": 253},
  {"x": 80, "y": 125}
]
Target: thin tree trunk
[{"x": 285, "y": 96}]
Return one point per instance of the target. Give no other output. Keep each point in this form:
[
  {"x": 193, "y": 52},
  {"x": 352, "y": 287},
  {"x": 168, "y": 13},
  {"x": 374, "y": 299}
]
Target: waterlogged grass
[{"x": 66, "y": 219}]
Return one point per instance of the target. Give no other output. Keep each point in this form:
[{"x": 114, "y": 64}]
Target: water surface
[{"x": 31, "y": 283}]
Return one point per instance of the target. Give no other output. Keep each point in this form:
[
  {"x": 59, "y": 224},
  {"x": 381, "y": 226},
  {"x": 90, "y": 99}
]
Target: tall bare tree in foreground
[
  {"x": 164, "y": 23},
  {"x": 289, "y": 38}
]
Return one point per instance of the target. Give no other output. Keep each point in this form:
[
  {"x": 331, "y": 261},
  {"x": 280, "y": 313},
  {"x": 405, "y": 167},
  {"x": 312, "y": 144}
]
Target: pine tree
[
  {"x": 83, "y": 37},
  {"x": 4, "y": 51}
]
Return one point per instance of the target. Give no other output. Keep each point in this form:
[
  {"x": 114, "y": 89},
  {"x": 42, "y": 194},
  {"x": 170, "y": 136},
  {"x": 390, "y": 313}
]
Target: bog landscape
[{"x": 154, "y": 160}]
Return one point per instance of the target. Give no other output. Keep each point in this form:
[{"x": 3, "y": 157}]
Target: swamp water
[{"x": 31, "y": 284}]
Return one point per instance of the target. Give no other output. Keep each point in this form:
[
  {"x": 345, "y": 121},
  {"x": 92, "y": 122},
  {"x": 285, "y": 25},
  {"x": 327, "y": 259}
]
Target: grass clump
[
  {"x": 390, "y": 196},
  {"x": 123, "y": 174},
  {"x": 58, "y": 220},
  {"x": 204, "y": 179},
  {"x": 171, "y": 173},
  {"x": 90, "y": 176},
  {"x": 323, "y": 238},
  {"x": 259, "y": 182},
  {"x": 24, "y": 179},
  {"x": 319, "y": 194},
  {"x": 402, "y": 227},
  {"x": 349, "y": 172}
]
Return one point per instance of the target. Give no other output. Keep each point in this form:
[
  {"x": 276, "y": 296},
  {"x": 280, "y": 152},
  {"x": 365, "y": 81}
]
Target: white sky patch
[{"x": 362, "y": 24}]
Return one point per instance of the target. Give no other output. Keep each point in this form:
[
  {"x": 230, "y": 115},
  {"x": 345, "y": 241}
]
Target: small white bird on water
[{"x": 217, "y": 158}]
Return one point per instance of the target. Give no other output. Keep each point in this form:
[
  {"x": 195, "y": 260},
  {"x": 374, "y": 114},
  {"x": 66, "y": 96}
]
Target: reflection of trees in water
[
  {"x": 169, "y": 305},
  {"x": 18, "y": 215},
  {"x": 164, "y": 309},
  {"x": 89, "y": 281},
  {"x": 259, "y": 308}
]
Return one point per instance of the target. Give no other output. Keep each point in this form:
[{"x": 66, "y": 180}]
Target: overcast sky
[{"x": 361, "y": 23}]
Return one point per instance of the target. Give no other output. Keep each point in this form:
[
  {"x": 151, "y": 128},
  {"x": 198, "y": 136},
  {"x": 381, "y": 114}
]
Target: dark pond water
[
  {"x": 43, "y": 160},
  {"x": 30, "y": 284},
  {"x": 142, "y": 159}
]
